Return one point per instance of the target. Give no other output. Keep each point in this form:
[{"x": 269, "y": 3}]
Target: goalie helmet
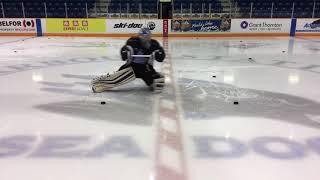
[
  {"x": 144, "y": 32},
  {"x": 145, "y": 36}
]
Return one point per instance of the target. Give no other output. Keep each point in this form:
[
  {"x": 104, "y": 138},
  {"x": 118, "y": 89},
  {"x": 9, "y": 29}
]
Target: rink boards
[{"x": 175, "y": 28}]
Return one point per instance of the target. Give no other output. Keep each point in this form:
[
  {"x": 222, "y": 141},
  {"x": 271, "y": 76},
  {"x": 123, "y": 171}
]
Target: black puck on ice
[
  {"x": 283, "y": 51},
  {"x": 214, "y": 76},
  {"x": 250, "y": 58},
  {"x": 15, "y": 51},
  {"x": 240, "y": 41},
  {"x": 235, "y": 102},
  {"x": 103, "y": 102}
]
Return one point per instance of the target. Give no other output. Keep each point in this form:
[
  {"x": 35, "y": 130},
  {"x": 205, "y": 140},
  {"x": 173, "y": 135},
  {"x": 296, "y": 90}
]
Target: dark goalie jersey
[{"x": 140, "y": 49}]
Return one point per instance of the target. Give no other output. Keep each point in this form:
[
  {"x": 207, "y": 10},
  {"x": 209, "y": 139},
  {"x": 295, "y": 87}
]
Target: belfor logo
[
  {"x": 18, "y": 23},
  {"x": 28, "y": 23},
  {"x": 244, "y": 24}
]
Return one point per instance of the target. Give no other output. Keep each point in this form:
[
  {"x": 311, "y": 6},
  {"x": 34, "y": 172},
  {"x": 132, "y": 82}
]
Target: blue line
[
  {"x": 2, "y": 43},
  {"x": 39, "y": 27},
  {"x": 293, "y": 27}
]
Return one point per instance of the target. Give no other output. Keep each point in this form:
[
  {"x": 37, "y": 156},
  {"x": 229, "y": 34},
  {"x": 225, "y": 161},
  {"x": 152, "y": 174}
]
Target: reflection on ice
[{"x": 253, "y": 103}]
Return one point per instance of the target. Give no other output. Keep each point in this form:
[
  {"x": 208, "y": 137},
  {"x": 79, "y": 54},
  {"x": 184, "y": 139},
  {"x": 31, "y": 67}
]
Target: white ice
[{"x": 53, "y": 127}]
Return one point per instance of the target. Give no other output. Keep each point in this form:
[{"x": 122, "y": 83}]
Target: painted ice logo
[
  {"x": 151, "y": 25},
  {"x": 244, "y": 24},
  {"x": 205, "y": 147}
]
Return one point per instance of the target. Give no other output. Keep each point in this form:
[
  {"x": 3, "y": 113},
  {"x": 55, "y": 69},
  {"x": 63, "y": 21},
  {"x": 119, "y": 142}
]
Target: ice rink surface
[{"x": 52, "y": 127}]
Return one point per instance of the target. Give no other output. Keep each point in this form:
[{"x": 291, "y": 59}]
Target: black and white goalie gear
[
  {"x": 126, "y": 52},
  {"x": 106, "y": 82},
  {"x": 158, "y": 84},
  {"x": 159, "y": 55}
]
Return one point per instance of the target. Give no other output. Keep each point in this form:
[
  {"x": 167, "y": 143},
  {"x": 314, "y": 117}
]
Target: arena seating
[
  {"x": 132, "y": 6},
  {"x": 279, "y": 8},
  {"x": 38, "y": 8},
  {"x": 197, "y": 6},
  {"x": 182, "y": 8},
  {"x": 260, "y": 8}
]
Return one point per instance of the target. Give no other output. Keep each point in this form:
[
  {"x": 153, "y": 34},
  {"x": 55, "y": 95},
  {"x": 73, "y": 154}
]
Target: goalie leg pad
[
  {"x": 105, "y": 82},
  {"x": 158, "y": 84}
]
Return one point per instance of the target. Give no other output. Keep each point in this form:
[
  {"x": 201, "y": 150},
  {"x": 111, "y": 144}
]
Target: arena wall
[
  {"x": 18, "y": 27},
  {"x": 222, "y": 27},
  {"x": 308, "y": 27}
]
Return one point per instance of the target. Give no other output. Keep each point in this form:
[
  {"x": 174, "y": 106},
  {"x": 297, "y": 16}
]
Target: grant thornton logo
[{"x": 244, "y": 24}]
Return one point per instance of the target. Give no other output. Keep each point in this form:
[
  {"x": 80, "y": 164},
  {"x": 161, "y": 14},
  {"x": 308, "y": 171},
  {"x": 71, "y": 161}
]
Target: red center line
[{"x": 170, "y": 161}]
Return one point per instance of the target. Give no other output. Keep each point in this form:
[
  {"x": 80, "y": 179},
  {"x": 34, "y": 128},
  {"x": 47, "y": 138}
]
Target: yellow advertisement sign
[{"x": 76, "y": 25}]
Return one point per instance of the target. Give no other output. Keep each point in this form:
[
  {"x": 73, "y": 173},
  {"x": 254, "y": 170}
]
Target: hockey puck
[
  {"x": 240, "y": 41},
  {"x": 103, "y": 102},
  {"x": 214, "y": 76},
  {"x": 283, "y": 51},
  {"x": 15, "y": 51},
  {"x": 250, "y": 58},
  {"x": 235, "y": 102}
]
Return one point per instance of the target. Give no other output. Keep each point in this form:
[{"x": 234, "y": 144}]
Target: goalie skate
[
  {"x": 158, "y": 85},
  {"x": 109, "y": 81}
]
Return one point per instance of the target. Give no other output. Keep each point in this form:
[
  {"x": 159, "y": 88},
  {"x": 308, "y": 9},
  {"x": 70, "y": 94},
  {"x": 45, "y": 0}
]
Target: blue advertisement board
[{"x": 212, "y": 25}]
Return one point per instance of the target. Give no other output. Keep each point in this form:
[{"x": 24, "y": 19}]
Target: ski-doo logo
[
  {"x": 151, "y": 25},
  {"x": 126, "y": 25},
  {"x": 125, "y": 146}
]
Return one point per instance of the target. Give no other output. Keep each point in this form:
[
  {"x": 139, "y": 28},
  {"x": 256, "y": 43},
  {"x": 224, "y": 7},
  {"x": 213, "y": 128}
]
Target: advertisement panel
[
  {"x": 124, "y": 26},
  {"x": 18, "y": 26},
  {"x": 260, "y": 25},
  {"x": 308, "y": 25},
  {"x": 194, "y": 25},
  {"x": 75, "y": 26},
  {"x": 165, "y": 28}
]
